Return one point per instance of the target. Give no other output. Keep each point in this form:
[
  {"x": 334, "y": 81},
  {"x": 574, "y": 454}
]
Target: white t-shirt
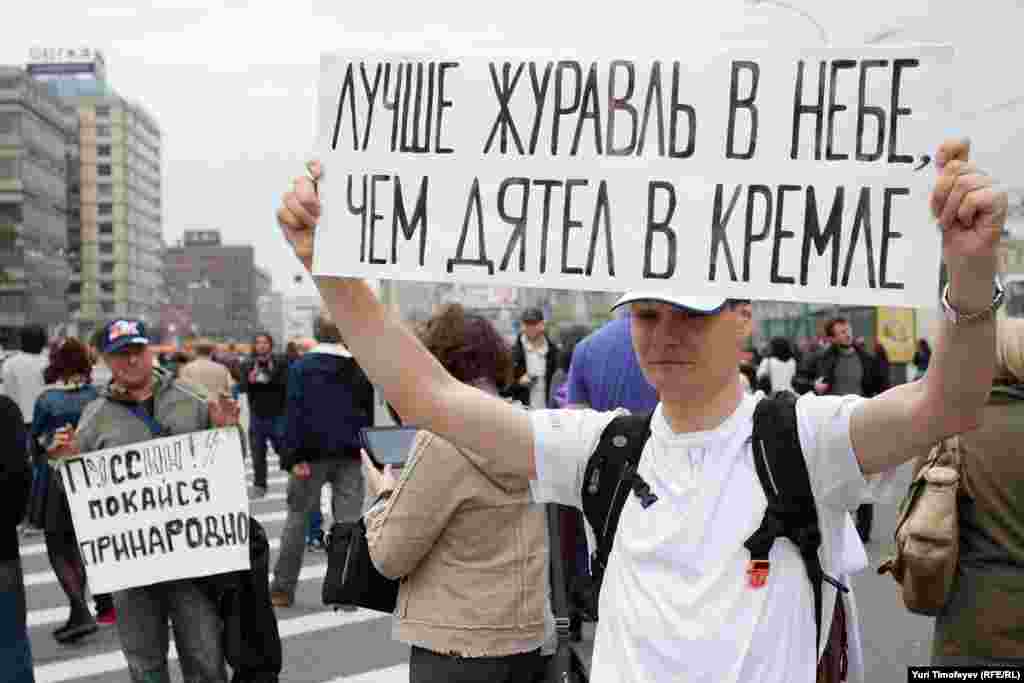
[
  {"x": 780, "y": 373},
  {"x": 675, "y": 603},
  {"x": 23, "y": 380},
  {"x": 537, "y": 366}
]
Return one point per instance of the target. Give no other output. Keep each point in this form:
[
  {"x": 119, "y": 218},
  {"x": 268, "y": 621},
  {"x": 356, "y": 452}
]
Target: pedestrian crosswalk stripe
[
  {"x": 114, "y": 661},
  {"x": 393, "y": 674}
]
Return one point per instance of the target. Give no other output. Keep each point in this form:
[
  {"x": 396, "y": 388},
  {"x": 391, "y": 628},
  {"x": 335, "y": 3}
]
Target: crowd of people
[{"x": 505, "y": 427}]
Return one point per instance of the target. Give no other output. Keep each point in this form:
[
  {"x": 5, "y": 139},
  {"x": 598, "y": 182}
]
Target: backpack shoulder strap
[
  {"x": 791, "y": 513},
  {"x": 610, "y": 476}
]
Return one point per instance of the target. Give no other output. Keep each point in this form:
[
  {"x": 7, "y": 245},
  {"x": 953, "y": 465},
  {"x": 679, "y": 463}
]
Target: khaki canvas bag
[{"x": 928, "y": 531}]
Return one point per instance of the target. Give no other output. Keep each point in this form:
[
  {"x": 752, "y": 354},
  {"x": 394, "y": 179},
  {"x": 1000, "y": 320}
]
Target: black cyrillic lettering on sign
[
  {"x": 781, "y": 234},
  {"x": 833, "y": 107},
  {"x": 896, "y": 111},
  {"x": 371, "y": 98},
  {"x": 419, "y": 218},
  {"x": 800, "y": 109},
  {"x": 393, "y": 104},
  {"x": 863, "y": 218},
  {"x": 539, "y": 88},
  {"x": 719, "y": 238},
  {"x": 736, "y": 102},
  {"x": 691, "y": 115},
  {"x": 621, "y": 103},
  {"x": 504, "y": 122},
  {"x": 822, "y": 240},
  {"x": 374, "y": 216},
  {"x": 568, "y": 225},
  {"x": 589, "y": 109},
  {"x": 865, "y": 110},
  {"x": 442, "y": 104},
  {"x": 358, "y": 211},
  {"x": 654, "y": 97},
  {"x": 473, "y": 205},
  {"x": 662, "y": 226},
  {"x": 560, "y": 110},
  {"x": 518, "y": 236},
  {"x": 602, "y": 213},
  {"x": 347, "y": 89},
  {"x": 173, "y": 528},
  {"x": 889, "y": 235},
  {"x": 749, "y": 236},
  {"x": 548, "y": 185}
]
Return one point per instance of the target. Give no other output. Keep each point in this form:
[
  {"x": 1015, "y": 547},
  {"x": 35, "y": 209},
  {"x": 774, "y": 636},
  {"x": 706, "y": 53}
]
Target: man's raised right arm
[{"x": 410, "y": 377}]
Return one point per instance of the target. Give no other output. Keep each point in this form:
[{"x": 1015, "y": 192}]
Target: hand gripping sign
[{"x": 756, "y": 173}]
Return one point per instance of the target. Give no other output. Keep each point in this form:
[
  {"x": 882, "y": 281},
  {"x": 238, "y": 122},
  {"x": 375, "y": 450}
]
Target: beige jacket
[{"x": 472, "y": 557}]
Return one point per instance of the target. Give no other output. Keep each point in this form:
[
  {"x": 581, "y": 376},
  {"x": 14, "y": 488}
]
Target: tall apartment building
[
  {"x": 37, "y": 135},
  {"x": 115, "y": 235}
]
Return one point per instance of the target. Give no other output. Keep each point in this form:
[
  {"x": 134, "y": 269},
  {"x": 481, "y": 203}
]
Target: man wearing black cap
[
  {"x": 140, "y": 405},
  {"x": 535, "y": 358}
]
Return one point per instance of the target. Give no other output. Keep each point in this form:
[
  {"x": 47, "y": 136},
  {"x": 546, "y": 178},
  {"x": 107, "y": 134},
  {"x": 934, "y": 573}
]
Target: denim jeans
[
  {"x": 345, "y": 475},
  {"x": 262, "y": 430},
  {"x": 142, "y": 615},
  {"x": 15, "y": 649}
]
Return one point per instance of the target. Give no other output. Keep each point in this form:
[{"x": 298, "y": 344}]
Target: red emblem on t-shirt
[{"x": 757, "y": 573}]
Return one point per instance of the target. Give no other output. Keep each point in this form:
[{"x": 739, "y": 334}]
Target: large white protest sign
[
  {"x": 164, "y": 509},
  {"x": 797, "y": 175}
]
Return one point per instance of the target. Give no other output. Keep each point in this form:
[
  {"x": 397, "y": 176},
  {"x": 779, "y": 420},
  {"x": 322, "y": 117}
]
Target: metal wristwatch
[{"x": 957, "y": 318}]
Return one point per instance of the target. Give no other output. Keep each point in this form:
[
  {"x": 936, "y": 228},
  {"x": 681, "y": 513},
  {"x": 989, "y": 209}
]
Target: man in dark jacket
[
  {"x": 329, "y": 401},
  {"x": 535, "y": 357},
  {"x": 15, "y": 479},
  {"x": 846, "y": 368},
  {"x": 264, "y": 378}
]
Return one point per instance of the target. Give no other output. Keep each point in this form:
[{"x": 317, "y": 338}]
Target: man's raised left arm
[{"x": 906, "y": 421}]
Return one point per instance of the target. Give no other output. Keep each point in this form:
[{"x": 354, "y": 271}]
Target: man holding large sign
[
  {"x": 149, "y": 517},
  {"x": 678, "y": 602}
]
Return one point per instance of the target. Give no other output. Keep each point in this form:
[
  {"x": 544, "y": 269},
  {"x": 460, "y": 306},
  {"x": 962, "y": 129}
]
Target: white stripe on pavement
[
  {"x": 47, "y": 576},
  {"x": 393, "y": 674},
  {"x": 114, "y": 661},
  {"x": 40, "y": 548}
]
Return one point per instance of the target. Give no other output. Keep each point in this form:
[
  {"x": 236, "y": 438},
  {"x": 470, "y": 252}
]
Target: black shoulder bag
[{"x": 352, "y": 578}]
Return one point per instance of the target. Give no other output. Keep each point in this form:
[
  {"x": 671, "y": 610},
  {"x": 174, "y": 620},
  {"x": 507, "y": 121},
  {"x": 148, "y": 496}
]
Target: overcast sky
[{"x": 232, "y": 83}]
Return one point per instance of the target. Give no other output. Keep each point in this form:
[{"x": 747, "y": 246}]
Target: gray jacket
[{"x": 109, "y": 423}]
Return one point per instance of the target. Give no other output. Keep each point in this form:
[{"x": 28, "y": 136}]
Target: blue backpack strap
[
  {"x": 791, "y": 513},
  {"x": 610, "y": 475}
]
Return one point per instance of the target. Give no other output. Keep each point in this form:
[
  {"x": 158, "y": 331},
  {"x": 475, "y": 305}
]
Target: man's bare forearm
[
  {"x": 960, "y": 374},
  {"x": 387, "y": 351},
  {"x": 421, "y": 390}
]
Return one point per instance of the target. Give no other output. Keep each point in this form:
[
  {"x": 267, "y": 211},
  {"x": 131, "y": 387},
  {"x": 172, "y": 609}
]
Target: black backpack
[{"x": 611, "y": 476}]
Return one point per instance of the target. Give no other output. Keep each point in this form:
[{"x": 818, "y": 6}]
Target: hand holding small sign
[
  {"x": 64, "y": 444},
  {"x": 224, "y": 411}
]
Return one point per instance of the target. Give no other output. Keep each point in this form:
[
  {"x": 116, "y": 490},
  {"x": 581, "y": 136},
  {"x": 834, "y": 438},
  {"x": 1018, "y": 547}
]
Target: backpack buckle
[{"x": 757, "y": 573}]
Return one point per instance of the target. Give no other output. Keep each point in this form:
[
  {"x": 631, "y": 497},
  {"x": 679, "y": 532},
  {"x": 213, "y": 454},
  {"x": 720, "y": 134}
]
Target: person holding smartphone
[{"x": 471, "y": 549}]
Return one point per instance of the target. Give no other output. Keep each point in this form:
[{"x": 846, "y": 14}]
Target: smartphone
[{"x": 388, "y": 445}]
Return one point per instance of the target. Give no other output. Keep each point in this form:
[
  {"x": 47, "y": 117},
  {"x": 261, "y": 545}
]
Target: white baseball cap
[{"x": 703, "y": 305}]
